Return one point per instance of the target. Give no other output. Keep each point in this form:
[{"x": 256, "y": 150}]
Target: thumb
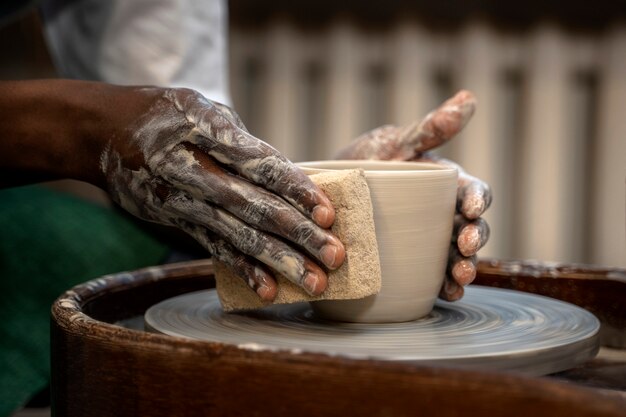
[{"x": 440, "y": 125}]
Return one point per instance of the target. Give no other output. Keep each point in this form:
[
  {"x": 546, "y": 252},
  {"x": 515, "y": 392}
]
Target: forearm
[{"x": 51, "y": 129}]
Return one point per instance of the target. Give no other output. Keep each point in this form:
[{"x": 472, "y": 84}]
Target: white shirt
[{"x": 169, "y": 43}]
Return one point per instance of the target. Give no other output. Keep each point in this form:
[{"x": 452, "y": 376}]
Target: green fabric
[{"x": 49, "y": 242}]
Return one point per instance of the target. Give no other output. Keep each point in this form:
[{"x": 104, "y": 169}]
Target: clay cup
[{"x": 413, "y": 206}]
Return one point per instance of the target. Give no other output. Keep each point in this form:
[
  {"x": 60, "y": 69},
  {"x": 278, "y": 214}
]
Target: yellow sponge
[{"x": 358, "y": 277}]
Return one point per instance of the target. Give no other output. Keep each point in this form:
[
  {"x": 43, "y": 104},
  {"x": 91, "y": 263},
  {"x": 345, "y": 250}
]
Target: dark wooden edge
[
  {"x": 600, "y": 290},
  {"x": 529, "y": 268},
  {"x": 187, "y": 377}
]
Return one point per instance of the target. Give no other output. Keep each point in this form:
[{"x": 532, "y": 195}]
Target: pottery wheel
[{"x": 489, "y": 329}]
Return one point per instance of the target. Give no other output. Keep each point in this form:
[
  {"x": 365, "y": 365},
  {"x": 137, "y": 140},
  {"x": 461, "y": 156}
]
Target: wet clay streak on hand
[{"x": 189, "y": 162}]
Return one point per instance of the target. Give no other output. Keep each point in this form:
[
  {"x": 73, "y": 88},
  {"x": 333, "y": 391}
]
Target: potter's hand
[
  {"x": 189, "y": 162},
  {"x": 413, "y": 143}
]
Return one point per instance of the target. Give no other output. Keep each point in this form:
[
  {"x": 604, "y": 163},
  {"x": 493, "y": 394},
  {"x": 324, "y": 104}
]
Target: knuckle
[
  {"x": 223, "y": 252},
  {"x": 273, "y": 169},
  {"x": 259, "y": 212},
  {"x": 249, "y": 240},
  {"x": 240, "y": 263},
  {"x": 302, "y": 233}
]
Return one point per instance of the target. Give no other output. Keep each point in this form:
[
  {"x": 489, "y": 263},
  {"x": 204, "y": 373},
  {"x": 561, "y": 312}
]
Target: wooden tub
[{"x": 100, "y": 368}]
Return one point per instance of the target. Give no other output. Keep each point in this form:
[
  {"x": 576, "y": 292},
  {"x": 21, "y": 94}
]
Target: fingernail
[
  {"x": 328, "y": 255},
  {"x": 473, "y": 207},
  {"x": 323, "y": 216},
  {"x": 311, "y": 281},
  {"x": 464, "y": 273},
  {"x": 264, "y": 292},
  {"x": 473, "y": 242},
  {"x": 453, "y": 291},
  {"x": 468, "y": 241}
]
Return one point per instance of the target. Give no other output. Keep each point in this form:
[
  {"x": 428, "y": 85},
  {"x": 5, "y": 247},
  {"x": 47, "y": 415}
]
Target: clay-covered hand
[
  {"x": 185, "y": 161},
  {"x": 414, "y": 143}
]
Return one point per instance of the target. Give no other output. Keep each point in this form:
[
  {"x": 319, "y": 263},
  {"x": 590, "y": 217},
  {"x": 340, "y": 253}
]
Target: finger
[
  {"x": 253, "y": 273},
  {"x": 451, "y": 291},
  {"x": 258, "y": 162},
  {"x": 461, "y": 269},
  {"x": 274, "y": 253},
  {"x": 471, "y": 235},
  {"x": 405, "y": 143},
  {"x": 258, "y": 208},
  {"x": 379, "y": 144},
  {"x": 439, "y": 126},
  {"x": 473, "y": 196},
  {"x": 460, "y": 272},
  {"x": 231, "y": 115}
]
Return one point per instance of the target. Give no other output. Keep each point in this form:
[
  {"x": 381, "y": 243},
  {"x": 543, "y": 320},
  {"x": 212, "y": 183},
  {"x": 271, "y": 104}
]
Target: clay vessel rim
[{"x": 374, "y": 168}]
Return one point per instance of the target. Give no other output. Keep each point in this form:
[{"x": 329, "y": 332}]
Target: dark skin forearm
[
  {"x": 52, "y": 129},
  {"x": 173, "y": 157}
]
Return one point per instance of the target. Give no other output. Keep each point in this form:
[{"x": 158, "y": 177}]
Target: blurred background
[{"x": 550, "y": 78}]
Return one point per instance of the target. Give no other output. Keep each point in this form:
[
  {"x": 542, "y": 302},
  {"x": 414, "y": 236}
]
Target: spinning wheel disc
[{"x": 488, "y": 329}]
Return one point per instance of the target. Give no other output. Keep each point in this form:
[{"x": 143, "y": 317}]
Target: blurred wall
[{"x": 550, "y": 79}]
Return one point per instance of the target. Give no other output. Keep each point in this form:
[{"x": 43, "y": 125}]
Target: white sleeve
[{"x": 175, "y": 43}]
